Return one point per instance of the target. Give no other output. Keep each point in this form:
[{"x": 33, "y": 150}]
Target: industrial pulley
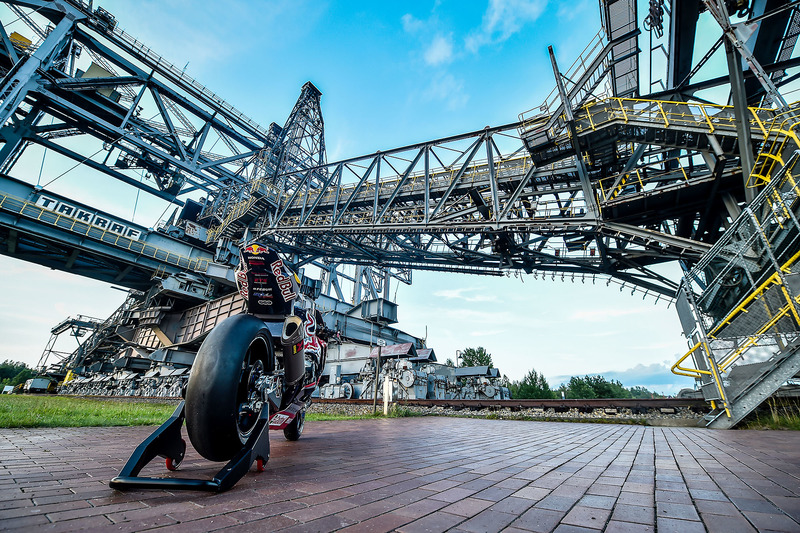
[{"x": 407, "y": 378}]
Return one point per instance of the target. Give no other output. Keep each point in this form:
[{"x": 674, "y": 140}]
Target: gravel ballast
[{"x": 678, "y": 416}]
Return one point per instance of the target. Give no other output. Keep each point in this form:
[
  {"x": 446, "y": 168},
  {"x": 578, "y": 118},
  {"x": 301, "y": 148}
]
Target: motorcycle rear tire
[{"x": 220, "y": 383}]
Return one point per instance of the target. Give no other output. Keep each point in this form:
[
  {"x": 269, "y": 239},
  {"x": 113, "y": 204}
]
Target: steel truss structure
[
  {"x": 614, "y": 175},
  {"x": 593, "y": 182}
]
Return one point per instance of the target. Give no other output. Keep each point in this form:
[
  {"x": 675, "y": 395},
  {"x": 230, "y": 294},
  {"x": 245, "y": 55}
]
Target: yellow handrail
[{"x": 690, "y": 372}]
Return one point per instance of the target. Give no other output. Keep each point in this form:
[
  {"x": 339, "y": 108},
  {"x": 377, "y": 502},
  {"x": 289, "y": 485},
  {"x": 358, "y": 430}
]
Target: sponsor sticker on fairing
[
  {"x": 241, "y": 281},
  {"x": 279, "y": 420},
  {"x": 284, "y": 282}
]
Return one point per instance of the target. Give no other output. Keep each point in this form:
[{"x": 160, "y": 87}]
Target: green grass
[
  {"x": 781, "y": 414},
  {"x": 23, "y": 411},
  {"x": 32, "y": 411}
]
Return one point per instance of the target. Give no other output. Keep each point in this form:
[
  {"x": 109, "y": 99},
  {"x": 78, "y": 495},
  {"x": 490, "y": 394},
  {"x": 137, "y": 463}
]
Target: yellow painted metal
[
  {"x": 780, "y": 133},
  {"x": 690, "y": 372},
  {"x": 708, "y": 120}
]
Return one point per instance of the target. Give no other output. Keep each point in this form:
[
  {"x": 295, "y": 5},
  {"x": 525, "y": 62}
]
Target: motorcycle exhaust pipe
[{"x": 292, "y": 339}]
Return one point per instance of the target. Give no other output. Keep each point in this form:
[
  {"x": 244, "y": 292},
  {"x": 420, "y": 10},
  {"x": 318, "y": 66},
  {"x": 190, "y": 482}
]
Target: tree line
[
  {"x": 535, "y": 386},
  {"x": 13, "y": 373}
]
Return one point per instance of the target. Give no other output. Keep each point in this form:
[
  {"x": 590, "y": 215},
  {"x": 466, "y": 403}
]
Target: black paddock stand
[{"x": 166, "y": 442}]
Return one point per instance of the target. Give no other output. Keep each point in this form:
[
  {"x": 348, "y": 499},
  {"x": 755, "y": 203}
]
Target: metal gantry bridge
[{"x": 616, "y": 173}]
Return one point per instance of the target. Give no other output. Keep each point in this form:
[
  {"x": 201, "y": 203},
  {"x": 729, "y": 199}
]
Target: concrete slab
[{"x": 422, "y": 474}]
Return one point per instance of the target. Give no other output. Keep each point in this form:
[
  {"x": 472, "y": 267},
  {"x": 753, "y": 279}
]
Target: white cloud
[
  {"x": 602, "y": 315},
  {"x": 504, "y": 18},
  {"x": 440, "y": 50},
  {"x": 656, "y": 377},
  {"x": 487, "y": 333},
  {"x": 464, "y": 294},
  {"x": 411, "y": 24},
  {"x": 448, "y": 89},
  {"x": 568, "y": 11}
]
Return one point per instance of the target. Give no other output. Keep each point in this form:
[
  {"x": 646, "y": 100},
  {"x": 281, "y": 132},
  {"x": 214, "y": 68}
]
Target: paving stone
[
  {"x": 589, "y": 517},
  {"x": 90, "y": 523},
  {"x": 467, "y": 507},
  {"x": 635, "y": 498},
  {"x": 714, "y": 507},
  {"x": 420, "y": 508},
  {"x": 627, "y": 527},
  {"x": 494, "y": 494},
  {"x": 557, "y": 503},
  {"x": 487, "y": 521},
  {"x": 599, "y": 502},
  {"x": 634, "y": 513},
  {"x": 379, "y": 524},
  {"x": 538, "y": 520},
  {"x": 672, "y": 525},
  {"x": 320, "y": 525},
  {"x": 602, "y": 489},
  {"x": 437, "y": 521},
  {"x": 273, "y": 523},
  {"x": 532, "y": 493},
  {"x": 759, "y": 505},
  {"x": 513, "y": 476},
  {"x": 772, "y": 521},
  {"x": 789, "y": 505},
  {"x": 512, "y": 505},
  {"x": 726, "y": 524},
  {"x": 23, "y": 522},
  {"x": 452, "y": 495},
  {"x": 307, "y": 514},
  {"x": 703, "y": 494}
]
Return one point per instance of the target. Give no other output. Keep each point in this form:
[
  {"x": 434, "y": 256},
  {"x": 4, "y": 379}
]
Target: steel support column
[
  {"x": 593, "y": 210},
  {"x": 24, "y": 76},
  {"x": 740, "y": 110}
]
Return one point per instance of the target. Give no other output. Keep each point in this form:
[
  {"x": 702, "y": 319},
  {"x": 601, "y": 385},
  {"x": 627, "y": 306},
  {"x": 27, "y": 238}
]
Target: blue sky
[{"x": 390, "y": 74}]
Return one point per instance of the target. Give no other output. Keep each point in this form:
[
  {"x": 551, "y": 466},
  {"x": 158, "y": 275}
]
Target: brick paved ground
[{"x": 423, "y": 474}]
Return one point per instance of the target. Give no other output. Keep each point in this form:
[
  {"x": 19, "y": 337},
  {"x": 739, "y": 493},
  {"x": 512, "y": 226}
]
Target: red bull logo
[
  {"x": 256, "y": 249},
  {"x": 284, "y": 282},
  {"x": 241, "y": 280}
]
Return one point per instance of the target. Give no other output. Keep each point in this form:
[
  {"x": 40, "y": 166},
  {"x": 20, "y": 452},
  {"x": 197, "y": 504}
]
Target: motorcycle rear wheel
[{"x": 220, "y": 393}]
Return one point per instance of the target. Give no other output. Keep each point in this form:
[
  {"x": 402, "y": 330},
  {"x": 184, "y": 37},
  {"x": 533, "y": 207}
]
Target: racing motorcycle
[{"x": 254, "y": 372}]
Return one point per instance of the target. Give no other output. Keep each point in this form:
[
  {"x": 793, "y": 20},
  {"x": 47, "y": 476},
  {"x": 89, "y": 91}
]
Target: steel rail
[{"x": 594, "y": 403}]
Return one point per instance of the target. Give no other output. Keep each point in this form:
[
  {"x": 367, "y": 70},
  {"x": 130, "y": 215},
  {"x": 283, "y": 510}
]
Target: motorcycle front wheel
[
  {"x": 221, "y": 394},
  {"x": 295, "y": 428}
]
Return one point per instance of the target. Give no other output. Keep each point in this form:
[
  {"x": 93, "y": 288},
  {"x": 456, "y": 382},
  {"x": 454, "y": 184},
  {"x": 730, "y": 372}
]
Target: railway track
[
  {"x": 634, "y": 404},
  {"x": 558, "y": 405}
]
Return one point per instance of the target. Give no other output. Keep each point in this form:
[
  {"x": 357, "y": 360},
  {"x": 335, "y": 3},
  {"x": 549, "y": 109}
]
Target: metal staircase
[{"x": 740, "y": 305}]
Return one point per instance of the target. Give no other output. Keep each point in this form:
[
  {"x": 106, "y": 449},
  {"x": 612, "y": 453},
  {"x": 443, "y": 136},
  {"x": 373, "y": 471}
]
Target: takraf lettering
[{"x": 88, "y": 217}]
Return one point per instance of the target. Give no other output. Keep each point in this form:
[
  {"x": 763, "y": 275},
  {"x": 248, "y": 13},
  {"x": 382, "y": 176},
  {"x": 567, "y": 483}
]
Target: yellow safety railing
[
  {"x": 720, "y": 364},
  {"x": 774, "y": 280},
  {"x": 611, "y": 186},
  {"x": 64, "y": 222},
  {"x": 241, "y": 207},
  {"x": 708, "y": 117},
  {"x": 780, "y": 133}
]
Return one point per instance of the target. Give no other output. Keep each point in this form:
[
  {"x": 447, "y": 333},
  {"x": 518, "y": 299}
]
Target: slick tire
[{"x": 220, "y": 383}]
